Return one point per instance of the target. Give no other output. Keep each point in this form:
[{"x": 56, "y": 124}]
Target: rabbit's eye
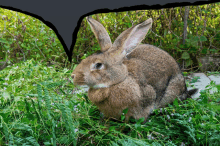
[{"x": 98, "y": 66}]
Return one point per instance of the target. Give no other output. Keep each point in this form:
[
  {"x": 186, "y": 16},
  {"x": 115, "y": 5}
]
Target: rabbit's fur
[{"x": 128, "y": 75}]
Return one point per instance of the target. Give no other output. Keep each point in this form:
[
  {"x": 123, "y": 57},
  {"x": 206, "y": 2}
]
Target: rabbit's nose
[{"x": 73, "y": 76}]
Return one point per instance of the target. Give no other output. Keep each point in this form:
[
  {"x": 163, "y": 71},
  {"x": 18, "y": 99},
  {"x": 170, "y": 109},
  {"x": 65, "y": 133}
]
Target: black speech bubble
[{"x": 65, "y": 17}]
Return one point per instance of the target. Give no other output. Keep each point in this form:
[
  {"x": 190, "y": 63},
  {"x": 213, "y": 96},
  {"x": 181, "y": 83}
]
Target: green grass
[{"x": 38, "y": 106}]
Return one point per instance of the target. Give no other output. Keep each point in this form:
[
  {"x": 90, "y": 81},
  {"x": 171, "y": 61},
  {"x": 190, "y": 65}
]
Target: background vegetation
[
  {"x": 23, "y": 37},
  {"x": 39, "y": 105}
]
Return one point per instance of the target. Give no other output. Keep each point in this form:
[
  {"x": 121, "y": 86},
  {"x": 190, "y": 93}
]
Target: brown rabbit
[{"x": 128, "y": 75}]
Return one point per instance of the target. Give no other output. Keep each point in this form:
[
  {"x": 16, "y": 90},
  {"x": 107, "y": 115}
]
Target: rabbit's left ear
[
  {"x": 131, "y": 37},
  {"x": 100, "y": 33}
]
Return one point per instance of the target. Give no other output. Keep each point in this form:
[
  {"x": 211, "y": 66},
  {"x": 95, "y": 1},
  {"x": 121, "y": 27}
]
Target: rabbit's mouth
[{"x": 79, "y": 81}]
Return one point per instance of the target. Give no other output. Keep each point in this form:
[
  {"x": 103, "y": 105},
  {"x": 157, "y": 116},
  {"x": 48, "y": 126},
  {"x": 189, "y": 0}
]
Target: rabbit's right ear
[
  {"x": 130, "y": 38},
  {"x": 100, "y": 33}
]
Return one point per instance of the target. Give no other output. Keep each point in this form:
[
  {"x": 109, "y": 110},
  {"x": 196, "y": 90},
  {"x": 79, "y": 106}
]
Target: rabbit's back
[
  {"x": 150, "y": 65},
  {"x": 157, "y": 59}
]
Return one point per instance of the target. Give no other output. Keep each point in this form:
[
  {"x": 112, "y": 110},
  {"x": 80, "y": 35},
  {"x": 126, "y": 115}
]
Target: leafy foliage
[{"x": 30, "y": 111}]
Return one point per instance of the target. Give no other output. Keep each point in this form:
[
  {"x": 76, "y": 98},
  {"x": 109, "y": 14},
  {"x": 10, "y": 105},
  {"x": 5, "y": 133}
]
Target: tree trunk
[{"x": 186, "y": 15}]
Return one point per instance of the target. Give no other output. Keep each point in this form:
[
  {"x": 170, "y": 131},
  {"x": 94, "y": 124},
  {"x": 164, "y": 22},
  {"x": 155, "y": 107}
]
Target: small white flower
[
  {"x": 52, "y": 103},
  {"x": 76, "y": 130},
  {"x": 190, "y": 119},
  {"x": 5, "y": 83},
  {"x": 27, "y": 96},
  {"x": 34, "y": 84},
  {"x": 149, "y": 121},
  {"x": 8, "y": 51},
  {"x": 150, "y": 137},
  {"x": 15, "y": 27},
  {"x": 22, "y": 79},
  {"x": 56, "y": 125},
  {"x": 5, "y": 88},
  {"x": 16, "y": 67},
  {"x": 161, "y": 110},
  {"x": 172, "y": 114},
  {"x": 6, "y": 79},
  {"x": 76, "y": 109},
  {"x": 168, "y": 117}
]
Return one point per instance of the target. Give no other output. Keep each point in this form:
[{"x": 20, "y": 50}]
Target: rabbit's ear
[
  {"x": 131, "y": 37},
  {"x": 100, "y": 33}
]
